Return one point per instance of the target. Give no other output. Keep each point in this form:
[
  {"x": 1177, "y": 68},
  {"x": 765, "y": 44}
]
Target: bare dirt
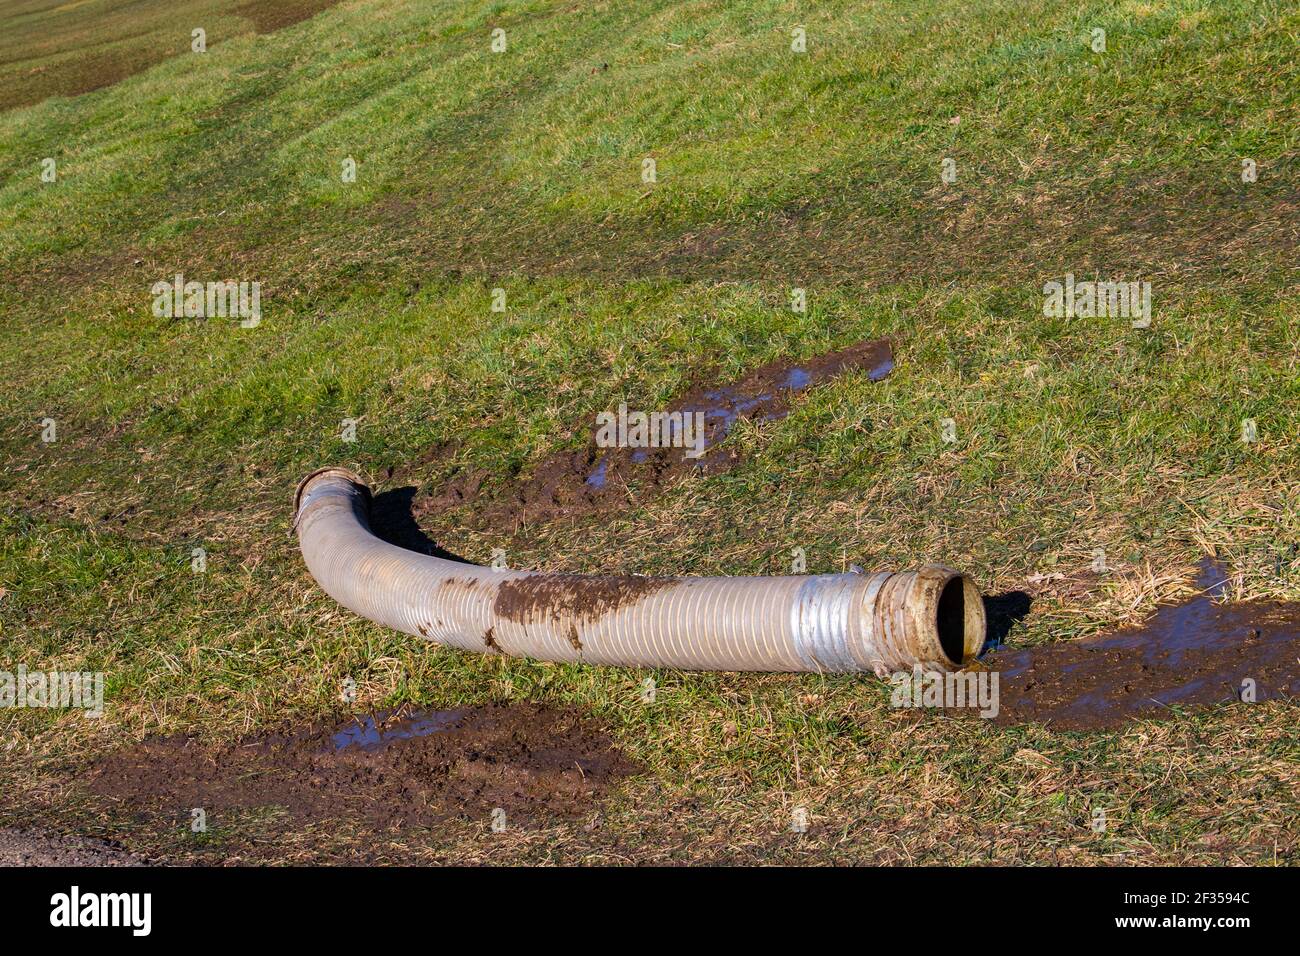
[
  {"x": 94, "y": 70},
  {"x": 1188, "y": 656},
  {"x": 389, "y": 770},
  {"x": 597, "y": 480},
  {"x": 102, "y": 55},
  {"x": 40, "y": 848},
  {"x": 267, "y": 16}
]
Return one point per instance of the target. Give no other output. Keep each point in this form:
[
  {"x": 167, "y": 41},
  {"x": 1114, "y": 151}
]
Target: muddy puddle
[
  {"x": 393, "y": 769},
  {"x": 1190, "y": 655},
  {"x": 597, "y": 479}
]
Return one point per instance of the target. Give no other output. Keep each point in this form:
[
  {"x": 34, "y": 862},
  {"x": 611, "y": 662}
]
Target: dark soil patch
[
  {"x": 1190, "y": 655},
  {"x": 36, "y": 848},
  {"x": 85, "y": 73},
  {"x": 600, "y": 479},
  {"x": 82, "y": 56},
  {"x": 267, "y": 16},
  {"x": 394, "y": 769}
]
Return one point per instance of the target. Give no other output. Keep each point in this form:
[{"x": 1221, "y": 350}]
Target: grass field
[{"x": 774, "y": 170}]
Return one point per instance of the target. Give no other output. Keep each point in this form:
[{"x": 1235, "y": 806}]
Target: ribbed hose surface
[{"x": 821, "y": 623}]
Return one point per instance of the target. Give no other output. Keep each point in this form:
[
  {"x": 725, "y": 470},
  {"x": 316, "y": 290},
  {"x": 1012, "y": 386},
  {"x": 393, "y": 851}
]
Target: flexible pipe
[{"x": 849, "y": 622}]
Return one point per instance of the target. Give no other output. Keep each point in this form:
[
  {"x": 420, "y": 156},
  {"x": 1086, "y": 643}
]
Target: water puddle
[
  {"x": 1193, "y": 654},
  {"x": 598, "y": 476},
  {"x": 380, "y": 729}
]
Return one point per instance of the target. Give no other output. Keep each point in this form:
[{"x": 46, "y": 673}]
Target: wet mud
[
  {"x": 1189, "y": 656},
  {"x": 556, "y": 596},
  {"x": 411, "y": 768},
  {"x": 601, "y": 480}
]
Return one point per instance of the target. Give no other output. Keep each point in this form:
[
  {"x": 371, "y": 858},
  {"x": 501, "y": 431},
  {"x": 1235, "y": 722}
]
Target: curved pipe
[{"x": 820, "y": 623}]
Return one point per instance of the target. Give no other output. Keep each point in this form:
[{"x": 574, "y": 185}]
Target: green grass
[{"x": 523, "y": 171}]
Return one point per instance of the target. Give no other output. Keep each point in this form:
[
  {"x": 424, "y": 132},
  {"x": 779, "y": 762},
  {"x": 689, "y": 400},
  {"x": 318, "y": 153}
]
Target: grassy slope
[{"x": 523, "y": 170}]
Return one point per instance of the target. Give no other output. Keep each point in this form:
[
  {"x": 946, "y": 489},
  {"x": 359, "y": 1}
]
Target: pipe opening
[{"x": 950, "y": 620}]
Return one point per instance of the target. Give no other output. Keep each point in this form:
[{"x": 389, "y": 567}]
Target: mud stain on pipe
[
  {"x": 1191, "y": 655},
  {"x": 561, "y": 596}
]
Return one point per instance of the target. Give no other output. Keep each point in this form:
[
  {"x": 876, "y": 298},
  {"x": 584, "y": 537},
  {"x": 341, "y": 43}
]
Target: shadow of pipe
[
  {"x": 392, "y": 520},
  {"x": 1003, "y": 611}
]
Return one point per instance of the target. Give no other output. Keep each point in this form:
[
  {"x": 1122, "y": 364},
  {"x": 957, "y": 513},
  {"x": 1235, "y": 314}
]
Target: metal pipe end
[
  {"x": 948, "y": 621},
  {"x": 321, "y": 474}
]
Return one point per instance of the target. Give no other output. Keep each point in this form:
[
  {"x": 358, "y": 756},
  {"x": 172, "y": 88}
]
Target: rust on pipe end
[{"x": 948, "y": 625}]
